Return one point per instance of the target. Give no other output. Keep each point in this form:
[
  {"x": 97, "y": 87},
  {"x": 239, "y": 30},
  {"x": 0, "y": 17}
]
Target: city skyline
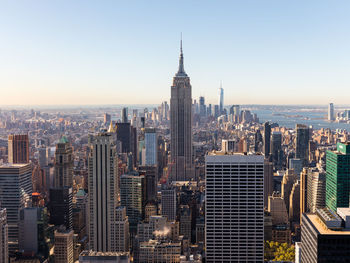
[{"x": 84, "y": 53}]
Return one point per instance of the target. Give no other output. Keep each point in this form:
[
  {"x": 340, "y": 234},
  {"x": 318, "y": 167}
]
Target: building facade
[
  {"x": 234, "y": 208},
  {"x": 18, "y": 148}
]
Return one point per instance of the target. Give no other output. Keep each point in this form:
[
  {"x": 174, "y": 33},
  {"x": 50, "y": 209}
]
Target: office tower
[
  {"x": 132, "y": 197},
  {"x": 63, "y": 164},
  {"x": 304, "y": 191},
  {"x": 107, "y": 118},
  {"x": 209, "y": 110},
  {"x": 331, "y": 112},
  {"x": 276, "y": 148},
  {"x": 158, "y": 226},
  {"x": 323, "y": 237},
  {"x": 133, "y": 145},
  {"x": 122, "y": 230},
  {"x": 185, "y": 221},
  {"x": 42, "y": 159},
  {"x": 267, "y": 138},
  {"x": 124, "y": 136},
  {"x": 151, "y": 144},
  {"x": 294, "y": 203},
  {"x": 258, "y": 140},
  {"x": 108, "y": 257},
  {"x": 64, "y": 246},
  {"x": 125, "y": 115},
  {"x": 81, "y": 206},
  {"x": 168, "y": 201},
  {"x": 228, "y": 146},
  {"x": 150, "y": 210},
  {"x": 61, "y": 206},
  {"x": 268, "y": 181},
  {"x": 34, "y": 235},
  {"x": 221, "y": 100},
  {"x": 338, "y": 177},
  {"x": 3, "y": 237},
  {"x": 302, "y": 143},
  {"x": 15, "y": 194},
  {"x": 18, "y": 148},
  {"x": 216, "y": 111},
  {"x": 316, "y": 190},
  {"x": 181, "y": 125},
  {"x": 234, "y": 208},
  {"x": 151, "y": 178},
  {"x": 296, "y": 165},
  {"x": 103, "y": 193},
  {"x": 202, "y": 107}
]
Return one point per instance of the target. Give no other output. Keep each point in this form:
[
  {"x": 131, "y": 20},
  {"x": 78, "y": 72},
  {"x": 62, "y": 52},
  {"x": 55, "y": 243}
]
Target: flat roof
[
  {"x": 322, "y": 228},
  {"x": 13, "y": 165}
]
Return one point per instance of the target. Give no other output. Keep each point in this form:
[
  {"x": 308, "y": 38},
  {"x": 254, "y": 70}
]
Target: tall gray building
[
  {"x": 234, "y": 208},
  {"x": 331, "y": 112},
  {"x": 63, "y": 164},
  {"x": 221, "y": 100},
  {"x": 181, "y": 125},
  {"x": 15, "y": 194},
  {"x": 103, "y": 193},
  {"x": 302, "y": 143},
  {"x": 169, "y": 204}
]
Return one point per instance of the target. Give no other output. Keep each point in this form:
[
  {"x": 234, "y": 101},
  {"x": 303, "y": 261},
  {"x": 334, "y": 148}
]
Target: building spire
[{"x": 181, "y": 71}]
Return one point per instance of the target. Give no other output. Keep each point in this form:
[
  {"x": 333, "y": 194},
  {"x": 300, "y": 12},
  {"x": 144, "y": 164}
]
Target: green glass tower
[{"x": 338, "y": 177}]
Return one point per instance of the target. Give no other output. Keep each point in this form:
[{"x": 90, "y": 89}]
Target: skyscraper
[
  {"x": 221, "y": 100},
  {"x": 61, "y": 206},
  {"x": 338, "y": 177},
  {"x": 181, "y": 125},
  {"x": 151, "y": 144},
  {"x": 103, "y": 193},
  {"x": 234, "y": 208},
  {"x": 202, "y": 107},
  {"x": 302, "y": 143},
  {"x": 125, "y": 115},
  {"x": 276, "y": 148},
  {"x": 168, "y": 202},
  {"x": 122, "y": 230},
  {"x": 18, "y": 148},
  {"x": 131, "y": 197},
  {"x": 64, "y": 246},
  {"x": 331, "y": 112},
  {"x": 63, "y": 164},
  {"x": 267, "y": 138},
  {"x": 15, "y": 194},
  {"x": 3, "y": 237}
]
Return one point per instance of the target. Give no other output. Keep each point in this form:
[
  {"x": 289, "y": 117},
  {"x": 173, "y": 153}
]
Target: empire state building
[{"x": 181, "y": 167}]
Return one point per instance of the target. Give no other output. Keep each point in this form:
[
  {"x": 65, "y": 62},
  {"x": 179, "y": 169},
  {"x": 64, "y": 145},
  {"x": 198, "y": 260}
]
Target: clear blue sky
[{"x": 116, "y": 52}]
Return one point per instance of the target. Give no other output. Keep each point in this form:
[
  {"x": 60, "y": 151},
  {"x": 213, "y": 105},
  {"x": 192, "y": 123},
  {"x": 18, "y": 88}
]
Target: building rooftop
[
  {"x": 322, "y": 228},
  {"x": 13, "y": 165}
]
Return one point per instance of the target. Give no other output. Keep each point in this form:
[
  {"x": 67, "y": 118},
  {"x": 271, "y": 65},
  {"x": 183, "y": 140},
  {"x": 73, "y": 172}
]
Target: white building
[
  {"x": 103, "y": 193},
  {"x": 234, "y": 208}
]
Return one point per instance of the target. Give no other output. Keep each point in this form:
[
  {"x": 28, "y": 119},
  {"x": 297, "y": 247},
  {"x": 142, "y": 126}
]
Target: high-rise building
[
  {"x": 202, "y": 107},
  {"x": 168, "y": 201},
  {"x": 122, "y": 230},
  {"x": 338, "y": 177},
  {"x": 234, "y": 208},
  {"x": 181, "y": 125},
  {"x": 132, "y": 197},
  {"x": 331, "y": 112},
  {"x": 316, "y": 190},
  {"x": 296, "y": 165},
  {"x": 302, "y": 143},
  {"x": 267, "y": 138},
  {"x": 18, "y": 148},
  {"x": 61, "y": 206},
  {"x": 63, "y": 164},
  {"x": 185, "y": 221},
  {"x": 268, "y": 180},
  {"x": 276, "y": 149},
  {"x": 15, "y": 194},
  {"x": 151, "y": 178},
  {"x": 294, "y": 203},
  {"x": 124, "y": 136},
  {"x": 107, "y": 118},
  {"x": 64, "y": 246},
  {"x": 159, "y": 251},
  {"x": 151, "y": 144},
  {"x": 89, "y": 256},
  {"x": 221, "y": 100},
  {"x": 103, "y": 193},
  {"x": 228, "y": 146},
  {"x": 4, "y": 251},
  {"x": 124, "y": 114},
  {"x": 323, "y": 237}
]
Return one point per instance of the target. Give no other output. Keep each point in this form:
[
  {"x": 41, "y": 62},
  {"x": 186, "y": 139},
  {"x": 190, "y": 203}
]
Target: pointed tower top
[{"x": 181, "y": 72}]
